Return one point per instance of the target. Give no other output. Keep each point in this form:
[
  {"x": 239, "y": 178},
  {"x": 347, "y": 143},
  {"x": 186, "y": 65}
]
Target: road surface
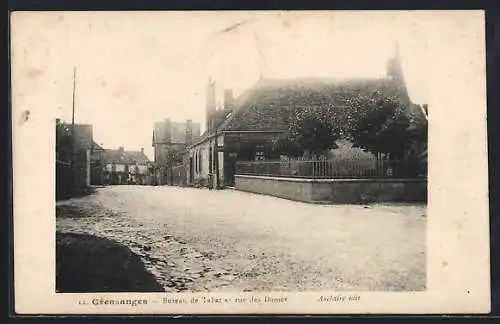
[{"x": 196, "y": 240}]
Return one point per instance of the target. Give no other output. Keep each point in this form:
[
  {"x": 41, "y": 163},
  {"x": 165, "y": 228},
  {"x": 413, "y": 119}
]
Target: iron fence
[{"x": 332, "y": 169}]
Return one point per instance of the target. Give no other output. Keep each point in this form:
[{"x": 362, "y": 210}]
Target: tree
[
  {"x": 418, "y": 136},
  {"x": 63, "y": 142},
  {"x": 312, "y": 131},
  {"x": 175, "y": 155},
  {"x": 380, "y": 127},
  {"x": 374, "y": 122}
]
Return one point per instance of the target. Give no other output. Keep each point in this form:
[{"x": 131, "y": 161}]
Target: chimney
[
  {"x": 168, "y": 131},
  {"x": 189, "y": 132},
  {"x": 228, "y": 99},
  {"x": 142, "y": 150},
  {"x": 210, "y": 103},
  {"x": 394, "y": 66},
  {"x": 121, "y": 149}
]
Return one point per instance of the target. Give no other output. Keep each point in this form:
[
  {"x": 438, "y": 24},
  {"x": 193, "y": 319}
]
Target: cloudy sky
[{"x": 135, "y": 68}]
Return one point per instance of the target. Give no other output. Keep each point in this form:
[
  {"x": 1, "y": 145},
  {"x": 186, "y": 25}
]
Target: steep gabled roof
[
  {"x": 124, "y": 157},
  {"x": 270, "y": 103},
  {"x": 218, "y": 117}
]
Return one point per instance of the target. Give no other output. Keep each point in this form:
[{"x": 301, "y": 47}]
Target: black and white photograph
[{"x": 236, "y": 152}]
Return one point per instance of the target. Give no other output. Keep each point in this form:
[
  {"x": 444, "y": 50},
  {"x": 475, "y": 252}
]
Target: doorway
[
  {"x": 229, "y": 168},
  {"x": 191, "y": 170}
]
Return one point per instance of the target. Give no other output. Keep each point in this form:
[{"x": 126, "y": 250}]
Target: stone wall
[
  {"x": 201, "y": 163},
  {"x": 336, "y": 190}
]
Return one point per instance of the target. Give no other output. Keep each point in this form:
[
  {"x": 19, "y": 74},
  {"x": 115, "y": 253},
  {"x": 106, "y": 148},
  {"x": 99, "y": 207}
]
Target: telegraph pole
[{"x": 73, "y": 134}]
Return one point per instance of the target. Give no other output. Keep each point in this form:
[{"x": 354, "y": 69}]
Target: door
[
  {"x": 229, "y": 168},
  {"x": 191, "y": 170}
]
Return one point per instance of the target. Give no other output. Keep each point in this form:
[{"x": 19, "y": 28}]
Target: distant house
[
  {"x": 126, "y": 167},
  {"x": 245, "y": 128},
  {"x": 170, "y": 140}
]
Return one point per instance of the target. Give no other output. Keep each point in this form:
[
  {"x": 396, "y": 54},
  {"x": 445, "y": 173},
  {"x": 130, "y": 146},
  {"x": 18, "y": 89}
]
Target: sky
[{"x": 136, "y": 68}]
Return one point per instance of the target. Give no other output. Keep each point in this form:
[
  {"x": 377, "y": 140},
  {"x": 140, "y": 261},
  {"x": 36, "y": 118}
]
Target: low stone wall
[{"x": 336, "y": 190}]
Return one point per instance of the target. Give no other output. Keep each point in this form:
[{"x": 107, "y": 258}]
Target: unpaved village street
[{"x": 196, "y": 240}]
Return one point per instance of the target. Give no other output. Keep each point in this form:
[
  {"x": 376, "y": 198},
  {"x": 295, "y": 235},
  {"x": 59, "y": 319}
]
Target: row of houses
[
  {"x": 246, "y": 127},
  {"x": 120, "y": 166},
  {"x": 81, "y": 162}
]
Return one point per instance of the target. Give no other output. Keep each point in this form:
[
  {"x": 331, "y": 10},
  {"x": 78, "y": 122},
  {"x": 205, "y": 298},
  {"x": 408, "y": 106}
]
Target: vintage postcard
[{"x": 307, "y": 162}]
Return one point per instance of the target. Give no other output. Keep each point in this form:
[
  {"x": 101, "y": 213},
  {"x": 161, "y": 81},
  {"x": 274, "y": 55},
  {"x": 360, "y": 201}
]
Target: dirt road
[{"x": 200, "y": 240}]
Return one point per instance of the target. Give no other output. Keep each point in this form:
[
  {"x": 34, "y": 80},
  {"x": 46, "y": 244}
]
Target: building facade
[
  {"x": 247, "y": 128},
  {"x": 96, "y": 165},
  {"x": 73, "y": 151},
  {"x": 123, "y": 167},
  {"x": 170, "y": 140}
]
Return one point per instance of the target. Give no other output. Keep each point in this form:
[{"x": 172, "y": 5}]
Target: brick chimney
[
  {"x": 168, "y": 131},
  {"x": 394, "y": 66},
  {"x": 228, "y": 99},
  {"x": 210, "y": 104}
]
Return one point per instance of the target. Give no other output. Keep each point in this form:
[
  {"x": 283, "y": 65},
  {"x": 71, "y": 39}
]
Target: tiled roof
[
  {"x": 96, "y": 147},
  {"x": 124, "y": 157},
  {"x": 418, "y": 112},
  {"x": 219, "y": 117},
  {"x": 269, "y": 104}
]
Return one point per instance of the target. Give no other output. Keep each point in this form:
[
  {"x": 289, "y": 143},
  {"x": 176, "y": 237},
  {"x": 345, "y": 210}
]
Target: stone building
[
  {"x": 170, "y": 140},
  {"x": 73, "y": 150},
  {"x": 246, "y": 127},
  {"x": 126, "y": 167}
]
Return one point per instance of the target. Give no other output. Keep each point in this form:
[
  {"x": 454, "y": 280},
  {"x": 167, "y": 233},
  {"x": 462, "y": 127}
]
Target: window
[
  {"x": 199, "y": 161},
  {"x": 259, "y": 154}
]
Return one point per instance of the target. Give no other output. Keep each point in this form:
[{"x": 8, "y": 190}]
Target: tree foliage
[
  {"x": 312, "y": 131},
  {"x": 63, "y": 142},
  {"x": 175, "y": 156},
  {"x": 381, "y": 127},
  {"x": 376, "y": 123}
]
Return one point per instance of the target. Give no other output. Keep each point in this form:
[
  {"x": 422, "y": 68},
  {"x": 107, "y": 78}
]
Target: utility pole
[{"x": 73, "y": 134}]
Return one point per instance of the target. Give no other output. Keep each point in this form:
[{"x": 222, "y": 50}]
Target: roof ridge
[{"x": 367, "y": 78}]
